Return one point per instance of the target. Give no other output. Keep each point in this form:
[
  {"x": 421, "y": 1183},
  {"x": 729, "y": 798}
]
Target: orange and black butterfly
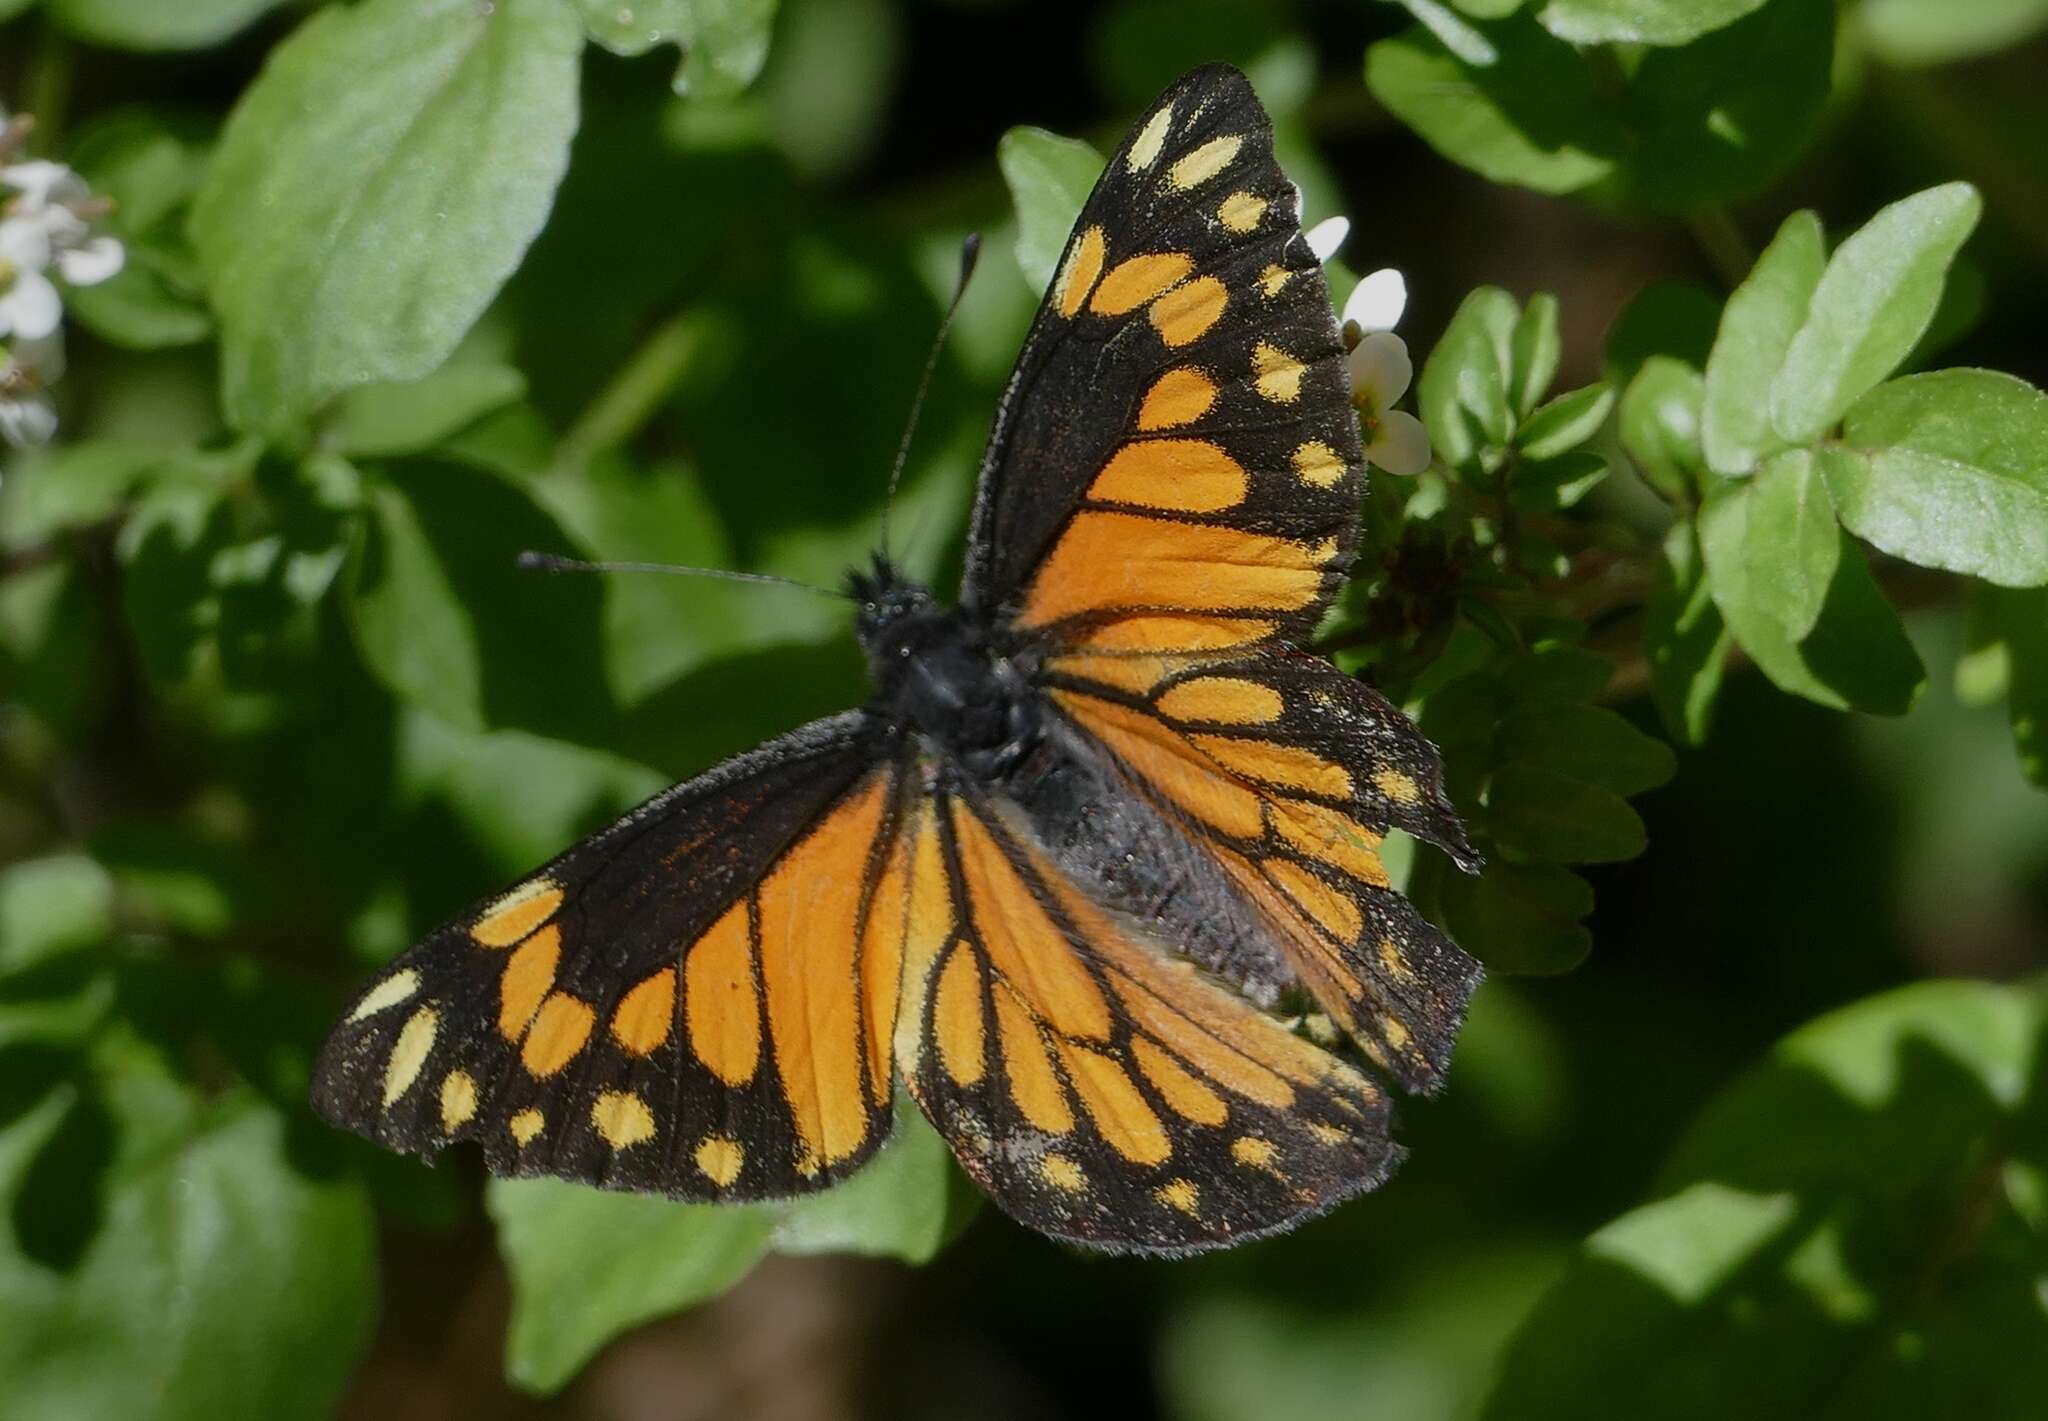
[{"x": 1093, "y": 872}]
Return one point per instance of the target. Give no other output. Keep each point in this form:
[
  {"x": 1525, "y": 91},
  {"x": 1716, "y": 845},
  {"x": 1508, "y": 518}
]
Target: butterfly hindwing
[
  {"x": 1175, "y": 462},
  {"x": 691, "y": 1002},
  {"x": 1099, "y": 1088}
]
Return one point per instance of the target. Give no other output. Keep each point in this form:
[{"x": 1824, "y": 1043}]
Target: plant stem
[
  {"x": 632, "y": 395},
  {"x": 1723, "y": 243},
  {"x": 46, "y": 88}
]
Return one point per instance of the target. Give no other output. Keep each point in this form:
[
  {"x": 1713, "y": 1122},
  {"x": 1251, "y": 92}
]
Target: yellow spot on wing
[
  {"x": 409, "y": 1053},
  {"x": 529, "y": 977},
  {"x": 1136, "y": 280},
  {"x": 1205, "y": 162},
  {"x": 1184, "y": 1095},
  {"x": 1145, "y": 148},
  {"x": 1273, "y": 279},
  {"x": 622, "y": 1118},
  {"x": 1184, "y": 313},
  {"x": 1078, "y": 272},
  {"x": 1241, "y": 211},
  {"x": 646, "y": 1013},
  {"x": 1317, "y": 463},
  {"x": 1254, "y": 1152},
  {"x": 458, "y": 1100},
  {"x": 720, "y": 1004},
  {"x": 1114, "y": 1104},
  {"x": 559, "y": 1029},
  {"x": 1397, "y": 786},
  {"x": 1223, "y": 700},
  {"x": 1392, "y": 960},
  {"x": 1062, "y": 1173},
  {"x": 388, "y": 993},
  {"x": 518, "y": 913},
  {"x": 526, "y": 1126},
  {"x": 956, "y": 1017},
  {"x": 1179, "y": 1194},
  {"x": 721, "y": 1159},
  {"x": 1328, "y": 1134},
  {"x": 1177, "y": 475},
  {"x": 1278, "y": 373},
  {"x": 1180, "y": 396}
]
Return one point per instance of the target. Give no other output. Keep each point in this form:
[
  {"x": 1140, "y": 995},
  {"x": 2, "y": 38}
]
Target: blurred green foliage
[{"x": 414, "y": 285}]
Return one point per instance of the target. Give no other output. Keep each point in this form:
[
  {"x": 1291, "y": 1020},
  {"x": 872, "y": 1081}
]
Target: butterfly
[{"x": 1094, "y": 870}]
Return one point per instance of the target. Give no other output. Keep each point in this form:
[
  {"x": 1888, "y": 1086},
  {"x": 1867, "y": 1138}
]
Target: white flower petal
[
  {"x": 91, "y": 261},
  {"x": 1377, "y": 302},
  {"x": 1327, "y": 236},
  {"x": 41, "y": 183},
  {"x": 25, "y": 243},
  {"x": 1402, "y": 445},
  {"x": 28, "y": 419},
  {"x": 1381, "y": 369},
  {"x": 31, "y": 307}
]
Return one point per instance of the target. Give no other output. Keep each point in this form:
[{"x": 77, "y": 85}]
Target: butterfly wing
[
  {"x": 1099, "y": 1089},
  {"x": 697, "y": 1001},
  {"x": 1175, "y": 461}
]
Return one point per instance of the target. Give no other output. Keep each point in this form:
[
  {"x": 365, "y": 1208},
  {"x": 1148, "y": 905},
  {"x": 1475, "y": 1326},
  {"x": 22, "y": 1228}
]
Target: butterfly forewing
[{"x": 698, "y": 1001}]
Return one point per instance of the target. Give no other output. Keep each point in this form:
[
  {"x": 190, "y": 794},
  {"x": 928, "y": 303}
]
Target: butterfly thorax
[{"x": 937, "y": 674}]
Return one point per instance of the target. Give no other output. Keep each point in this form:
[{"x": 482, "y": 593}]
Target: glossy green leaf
[
  {"x": 153, "y": 24},
  {"x": 1912, "y": 32},
  {"x": 70, "y": 487},
  {"x": 1844, "y": 1232},
  {"x": 1716, "y": 119},
  {"x": 1520, "y": 918},
  {"x": 1757, "y": 328},
  {"x": 1049, "y": 177},
  {"x": 1463, "y": 392},
  {"x": 897, "y": 1206},
  {"x": 50, "y": 907},
  {"x": 1565, "y": 422},
  {"x": 415, "y": 415},
  {"x": 724, "y": 42},
  {"x": 1950, "y": 470},
  {"x": 1589, "y": 743},
  {"x": 1536, "y": 347},
  {"x": 167, "y": 1258},
  {"x": 1535, "y": 116},
  {"x": 1554, "y": 817},
  {"x": 1877, "y": 295},
  {"x": 1664, "y": 22},
  {"x": 375, "y": 187},
  {"x": 446, "y": 618},
  {"x": 588, "y": 1265},
  {"x": 1687, "y": 639},
  {"x": 1855, "y": 652},
  {"x": 149, "y": 165},
  {"x": 1660, "y": 425}
]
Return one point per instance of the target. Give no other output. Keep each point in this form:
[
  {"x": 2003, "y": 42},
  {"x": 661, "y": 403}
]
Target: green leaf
[
  {"x": 411, "y": 416},
  {"x": 1716, "y": 119},
  {"x": 897, "y": 1206},
  {"x": 1558, "y": 483},
  {"x": 724, "y": 42},
  {"x": 1463, "y": 392},
  {"x": 1877, "y": 295},
  {"x": 1772, "y": 545},
  {"x": 1534, "y": 116},
  {"x": 446, "y": 618},
  {"x": 1842, "y": 1233},
  {"x": 374, "y": 188},
  {"x": 588, "y": 1265},
  {"x": 70, "y": 487},
  {"x": 1757, "y": 328},
  {"x": 1535, "y": 350},
  {"x": 1762, "y": 553},
  {"x": 1912, "y": 32},
  {"x": 1666, "y": 22},
  {"x": 148, "y": 164},
  {"x": 1686, "y": 638},
  {"x": 151, "y": 24},
  {"x": 1557, "y": 818},
  {"x": 176, "y": 527},
  {"x": 1676, "y": 319},
  {"x": 168, "y": 1259},
  {"x": 1660, "y": 425},
  {"x": 1949, "y": 469},
  {"x": 1565, "y": 422},
  {"x": 2020, "y": 620},
  {"x": 1589, "y": 743},
  {"x": 1520, "y": 918},
  {"x": 50, "y": 907},
  {"x": 1049, "y": 178}
]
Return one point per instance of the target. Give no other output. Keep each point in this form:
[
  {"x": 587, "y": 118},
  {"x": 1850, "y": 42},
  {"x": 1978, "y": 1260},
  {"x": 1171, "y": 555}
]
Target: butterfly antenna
[
  {"x": 970, "y": 252},
  {"x": 533, "y": 561}
]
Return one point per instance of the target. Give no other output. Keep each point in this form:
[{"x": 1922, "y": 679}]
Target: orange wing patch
[{"x": 1122, "y": 562}]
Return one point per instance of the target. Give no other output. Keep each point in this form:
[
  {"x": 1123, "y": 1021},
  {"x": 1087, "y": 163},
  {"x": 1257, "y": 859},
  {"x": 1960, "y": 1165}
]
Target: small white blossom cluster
[
  {"x": 1380, "y": 368},
  {"x": 46, "y": 238}
]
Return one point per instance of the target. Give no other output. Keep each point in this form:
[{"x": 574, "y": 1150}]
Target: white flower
[
  {"x": 29, "y": 305},
  {"x": 1327, "y": 236},
  {"x": 1380, "y": 374},
  {"x": 42, "y": 184},
  {"x": 26, "y": 414}
]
